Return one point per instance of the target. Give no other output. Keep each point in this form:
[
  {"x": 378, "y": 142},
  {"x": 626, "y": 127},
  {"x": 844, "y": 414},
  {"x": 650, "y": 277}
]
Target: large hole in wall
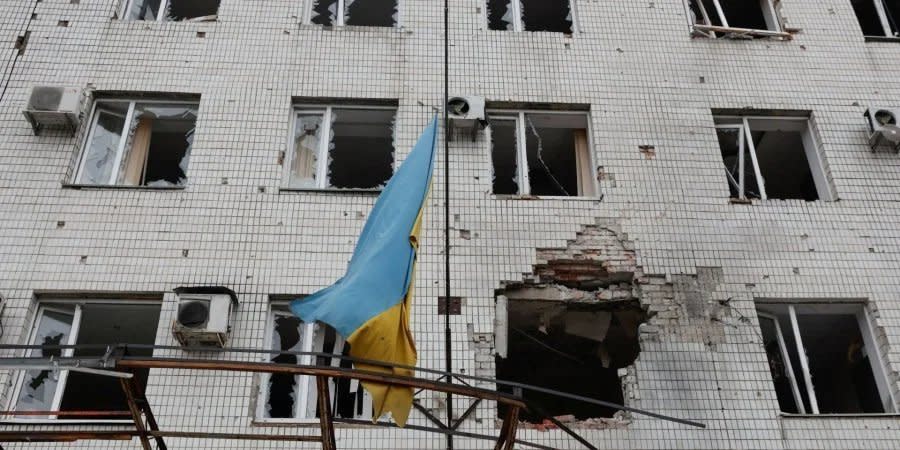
[{"x": 571, "y": 346}]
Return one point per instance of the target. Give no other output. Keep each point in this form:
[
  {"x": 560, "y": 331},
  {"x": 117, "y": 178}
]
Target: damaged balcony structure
[
  {"x": 541, "y": 154},
  {"x": 739, "y": 19},
  {"x": 285, "y": 398},
  {"x": 170, "y": 10},
  {"x": 573, "y": 326},
  {"x": 878, "y": 18},
  {"x": 340, "y": 147},
  {"x": 530, "y": 15},
  {"x": 772, "y": 157},
  {"x": 138, "y": 143},
  {"x": 369, "y": 13}
]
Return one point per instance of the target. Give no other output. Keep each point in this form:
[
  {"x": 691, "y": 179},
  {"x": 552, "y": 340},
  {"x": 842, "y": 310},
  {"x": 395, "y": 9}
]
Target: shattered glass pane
[
  {"x": 159, "y": 144},
  {"x": 39, "y": 386},
  {"x": 362, "y": 152},
  {"x": 729, "y": 145},
  {"x": 192, "y": 10},
  {"x": 503, "y": 156},
  {"x": 287, "y": 335},
  {"x": 100, "y": 154},
  {"x": 373, "y": 13},
  {"x": 551, "y": 152},
  {"x": 324, "y": 12},
  {"x": 143, "y": 10},
  {"x": 500, "y": 15},
  {"x": 307, "y": 136},
  {"x": 546, "y": 15}
]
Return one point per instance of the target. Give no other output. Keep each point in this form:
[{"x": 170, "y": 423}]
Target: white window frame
[
  {"x": 160, "y": 15},
  {"x": 306, "y": 402},
  {"x": 123, "y": 139},
  {"x": 522, "y": 177},
  {"x": 339, "y": 16},
  {"x": 865, "y": 324},
  {"x": 796, "y": 123},
  {"x": 769, "y": 11},
  {"x": 518, "y": 25},
  {"x": 322, "y": 179},
  {"x": 51, "y": 305}
]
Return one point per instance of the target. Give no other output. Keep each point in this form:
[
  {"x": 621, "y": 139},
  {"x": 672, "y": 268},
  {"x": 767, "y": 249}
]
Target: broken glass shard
[
  {"x": 103, "y": 144},
  {"x": 307, "y": 136},
  {"x": 324, "y": 12},
  {"x": 39, "y": 386}
]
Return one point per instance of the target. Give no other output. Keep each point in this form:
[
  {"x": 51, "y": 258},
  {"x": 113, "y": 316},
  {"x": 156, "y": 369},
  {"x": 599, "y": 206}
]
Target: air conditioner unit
[
  {"x": 467, "y": 112},
  {"x": 883, "y": 128},
  {"x": 204, "y": 316},
  {"x": 53, "y": 107}
]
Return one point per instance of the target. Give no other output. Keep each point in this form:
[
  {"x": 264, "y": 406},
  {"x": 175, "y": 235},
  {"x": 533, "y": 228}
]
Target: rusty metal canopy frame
[{"x": 116, "y": 363}]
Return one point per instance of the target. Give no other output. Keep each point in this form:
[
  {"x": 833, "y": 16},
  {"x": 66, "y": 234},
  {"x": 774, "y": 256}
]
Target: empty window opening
[
  {"x": 372, "y": 13},
  {"x": 878, "y": 17},
  {"x": 757, "y": 18},
  {"x": 286, "y": 397},
  {"x": 771, "y": 159},
  {"x": 341, "y": 148},
  {"x": 85, "y": 324},
  {"x": 138, "y": 144},
  {"x": 530, "y": 15},
  {"x": 171, "y": 10},
  {"x": 571, "y": 347},
  {"x": 541, "y": 154},
  {"x": 823, "y": 359}
]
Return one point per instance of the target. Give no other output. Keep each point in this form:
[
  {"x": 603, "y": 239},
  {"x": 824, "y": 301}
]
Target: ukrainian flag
[{"x": 370, "y": 304}]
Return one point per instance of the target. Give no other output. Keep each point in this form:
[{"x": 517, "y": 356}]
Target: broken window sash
[
  {"x": 828, "y": 356},
  {"x": 358, "y": 153},
  {"x": 878, "y": 18},
  {"x": 772, "y": 158},
  {"x": 372, "y": 13},
  {"x": 39, "y": 389},
  {"x": 735, "y": 18},
  {"x": 530, "y": 15},
  {"x": 292, "y": 398},
  {"x": 171, "y": 10},
  {"x": 541, "y": 153},
  {"x": 154, "y": 151},
  {"x": 84, "y": 324}
]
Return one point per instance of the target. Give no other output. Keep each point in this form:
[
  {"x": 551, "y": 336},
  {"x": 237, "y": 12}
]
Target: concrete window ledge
[
  {"x": 111, "y": 187},
  {"x": 888, "y": 416},
  {"x": 372, "y": 192}
]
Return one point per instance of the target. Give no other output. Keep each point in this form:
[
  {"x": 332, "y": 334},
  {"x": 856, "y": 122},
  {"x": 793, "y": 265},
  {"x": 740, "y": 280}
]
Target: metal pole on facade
[{"x": 448, "y": 339}]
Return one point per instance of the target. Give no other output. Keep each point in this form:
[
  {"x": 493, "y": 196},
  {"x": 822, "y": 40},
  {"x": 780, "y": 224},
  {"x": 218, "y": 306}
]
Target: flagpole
[{"x": 448, "y": 341}]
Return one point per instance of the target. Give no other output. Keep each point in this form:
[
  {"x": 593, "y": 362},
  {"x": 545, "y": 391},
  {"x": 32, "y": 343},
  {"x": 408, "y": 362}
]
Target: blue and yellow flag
[{"x": 370, "y": 305}]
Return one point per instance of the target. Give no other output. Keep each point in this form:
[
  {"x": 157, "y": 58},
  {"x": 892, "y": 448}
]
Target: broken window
[
  {"x": 371, "y": 13},
  {"x": 735, "y": 18},
  {"x": 878, "y": 17},
  {"x": 286, "y": 397},
  {"x": 536, "y": 153},
  {"x": 341, "y": 147},
  {"x": 138, "y": 144},
  {"x": 90, "y": 323},
  {"x": 771, "y": 158},
  {"x": 580, "y": 346},
  {"x": 824, "y": 359},
  {"x": 530, "y": 15},
  {"x": 171, "y": 10}
]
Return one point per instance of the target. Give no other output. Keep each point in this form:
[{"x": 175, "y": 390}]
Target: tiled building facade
[{"x": 659, "y": 103}]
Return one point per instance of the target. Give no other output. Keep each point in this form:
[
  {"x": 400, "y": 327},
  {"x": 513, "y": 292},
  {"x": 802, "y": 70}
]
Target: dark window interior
[
  {"x": 373, "y": 13},
  {"x": 499, "y": 14},
  {"x": 323, "y": 12},
  {"x": 566, "y": 348},
  {"x": 546, "y": 15},
  {"x": 170, "y": 143},
  {"x": 503, "y": 155},
  {"x": 783, "y": 164},
  {"x": 729, "y": 144},
  {"x": 892, "y": 10},
  {"x": 550, "y": 147},
  {"x": 742, "y": 13},
  {"x": 281, "y": 385},
  {"x": 143, "y": 10},
  {"x": 868, "y": 17},
  {"x": 109, "y": 324},
  {"x": 192, "y": 9},
  {"x": 362, "y": 152}
]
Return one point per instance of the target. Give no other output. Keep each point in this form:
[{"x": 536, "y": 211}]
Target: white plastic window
[
  {"x": 138, "y": 143},
  {"x": 371, "y": 13},
  {"x": 772, "y": 158},
  {"x": 541, "y": 153},
  {"x": 288, "y": 398},
  {"x": 340, "y": 147},
  {"x": 530, "y": 15},
  {"x": 170, "y": 10},
  {"x": 824, "y": 359},
  {"x": 735, "y": 18}
]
